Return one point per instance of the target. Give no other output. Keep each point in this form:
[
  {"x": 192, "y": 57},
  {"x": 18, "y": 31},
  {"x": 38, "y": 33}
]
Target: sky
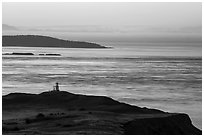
[
  {"x": 111, "y": 22},
  {"x": 108, "y": 14}
]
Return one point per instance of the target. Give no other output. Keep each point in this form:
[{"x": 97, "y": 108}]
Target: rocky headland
[
  {"x": 45, "y": 41},
  {"x": 61, "y": 112}
]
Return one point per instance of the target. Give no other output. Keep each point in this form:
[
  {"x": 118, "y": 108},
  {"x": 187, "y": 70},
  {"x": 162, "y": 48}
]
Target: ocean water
[{"x": 169, "y": 83}]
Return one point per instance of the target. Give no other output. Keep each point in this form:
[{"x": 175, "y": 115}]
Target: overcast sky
[
  {"x": 109, "y": 14},
  {"x": 177, "y": 22}
]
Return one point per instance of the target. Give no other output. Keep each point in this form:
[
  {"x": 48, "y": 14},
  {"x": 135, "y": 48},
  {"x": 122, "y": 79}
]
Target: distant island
[
  {"x": 18, "y": 53},
  {"x": 64, "y": 113},
  {"x": 25, "y": 53},
  {"x": 50, "y": 54},
  {"x": 45, "y": 41}
]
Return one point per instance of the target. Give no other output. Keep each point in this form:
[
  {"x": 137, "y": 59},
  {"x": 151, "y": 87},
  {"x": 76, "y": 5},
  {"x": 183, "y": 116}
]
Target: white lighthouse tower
[{"x": 56, "y": 88}]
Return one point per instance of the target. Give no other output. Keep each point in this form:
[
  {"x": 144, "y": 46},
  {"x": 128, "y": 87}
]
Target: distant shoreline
[
  {"x": 45, "y": 41},
  {"x": 15, "y": 46},
  {"x": 139, "y": 57},
  {"x": 31, "y": 54}
]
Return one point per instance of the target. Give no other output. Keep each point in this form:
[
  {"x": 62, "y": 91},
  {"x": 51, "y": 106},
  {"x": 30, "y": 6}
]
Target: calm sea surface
[{"x": 169, "y": 83}]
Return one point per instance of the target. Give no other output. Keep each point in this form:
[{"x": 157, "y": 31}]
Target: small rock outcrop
[{"x": 18, "y": 53}]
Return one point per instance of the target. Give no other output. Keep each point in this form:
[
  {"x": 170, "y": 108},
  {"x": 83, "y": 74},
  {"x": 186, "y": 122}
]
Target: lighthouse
[{"x": 57, "y": 86}]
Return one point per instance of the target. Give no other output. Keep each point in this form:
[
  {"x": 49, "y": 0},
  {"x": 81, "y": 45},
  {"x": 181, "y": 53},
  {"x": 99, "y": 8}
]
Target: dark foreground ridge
[
  {"x": 45, "y": 41},
  {"x": 66, "y": 113}
]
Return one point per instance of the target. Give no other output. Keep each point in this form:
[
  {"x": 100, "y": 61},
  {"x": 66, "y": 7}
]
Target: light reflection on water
[{"x": 167, "y": 83}]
